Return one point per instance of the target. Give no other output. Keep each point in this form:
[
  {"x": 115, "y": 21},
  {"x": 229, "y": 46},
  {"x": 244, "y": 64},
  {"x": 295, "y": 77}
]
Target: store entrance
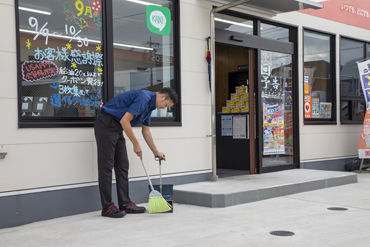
[{"x": 233, "y": 91}]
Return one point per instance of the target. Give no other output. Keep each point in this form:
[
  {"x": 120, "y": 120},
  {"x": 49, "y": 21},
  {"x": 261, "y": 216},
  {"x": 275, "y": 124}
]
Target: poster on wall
[
  {"x": 240, "y": 127},
  {"x": 61, "y": 58},
  {"x": 226, "y": 125},
  {"x": 273, "y": 129}
]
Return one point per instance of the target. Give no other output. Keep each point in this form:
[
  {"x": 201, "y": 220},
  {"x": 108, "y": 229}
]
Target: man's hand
[
  {"x": 160, "y": 156},
  {"x": 138, "y": 151}
]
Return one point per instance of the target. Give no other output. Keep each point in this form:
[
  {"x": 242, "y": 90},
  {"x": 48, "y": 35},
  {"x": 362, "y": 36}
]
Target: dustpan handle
[
  {"x": 160, "y": 175},
  {"x": 147, "y": 175}
]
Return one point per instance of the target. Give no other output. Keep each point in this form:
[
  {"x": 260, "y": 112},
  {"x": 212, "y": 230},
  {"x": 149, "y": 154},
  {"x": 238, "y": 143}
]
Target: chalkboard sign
[{"x": 60, "y": 58}]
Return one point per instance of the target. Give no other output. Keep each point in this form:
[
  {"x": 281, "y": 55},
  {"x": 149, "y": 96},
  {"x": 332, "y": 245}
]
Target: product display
[{"x": 238, "y": 102}]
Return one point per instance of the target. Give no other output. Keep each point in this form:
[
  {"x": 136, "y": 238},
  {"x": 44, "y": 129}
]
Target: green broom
[{"x": 157, "y": 204}]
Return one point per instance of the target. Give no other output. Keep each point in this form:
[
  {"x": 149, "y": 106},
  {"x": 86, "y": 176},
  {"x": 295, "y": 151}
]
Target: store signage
[
  {"x": 364, "y": 70},
  {"x": 351, "y": 12},
  {"x": 364, "y": 146},
  {"x": 158, "y": 19}
]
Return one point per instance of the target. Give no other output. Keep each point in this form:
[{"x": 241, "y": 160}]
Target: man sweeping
[{"x": 122, "y": 113}]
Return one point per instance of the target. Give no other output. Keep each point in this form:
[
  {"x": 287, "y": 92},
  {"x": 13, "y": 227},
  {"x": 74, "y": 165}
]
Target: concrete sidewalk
[{"x": 250, "y": 224}]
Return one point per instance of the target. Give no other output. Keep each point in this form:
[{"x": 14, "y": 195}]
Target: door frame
[{"x": 256, "y": 44}]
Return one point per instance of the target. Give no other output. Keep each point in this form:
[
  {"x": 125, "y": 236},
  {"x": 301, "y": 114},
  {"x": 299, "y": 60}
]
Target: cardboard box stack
[{"x": 238, "y": 102}]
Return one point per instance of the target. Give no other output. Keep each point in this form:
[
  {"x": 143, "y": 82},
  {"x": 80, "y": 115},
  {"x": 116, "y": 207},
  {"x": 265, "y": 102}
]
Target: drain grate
[
  {"x": 282, "y": 233},
  {"x": 337, "y": 208}
]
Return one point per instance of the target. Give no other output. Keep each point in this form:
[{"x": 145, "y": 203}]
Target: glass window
[
  {"x": 351, "y": 92},
  {"x": 61, "y": 75},
  {"x": 277, "y": 104},
  {"x": 144, "y": 59},
  {"x": 61, "y": 59},
  {"x": 274, "y": 32},
  {"x": 233, "y": 24},
  {"x": 319, "y": 83}
]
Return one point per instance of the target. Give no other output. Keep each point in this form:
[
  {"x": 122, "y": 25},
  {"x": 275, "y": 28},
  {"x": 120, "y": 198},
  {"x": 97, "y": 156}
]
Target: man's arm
[
  {"x": 149, "y": 140},
  {"x": 125, "y": 123}
]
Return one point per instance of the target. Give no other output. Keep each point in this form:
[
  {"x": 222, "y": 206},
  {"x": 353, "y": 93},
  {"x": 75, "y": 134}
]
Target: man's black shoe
[
  {"x": 113, "y": 212},
  {"x": 132, "y": 208}
]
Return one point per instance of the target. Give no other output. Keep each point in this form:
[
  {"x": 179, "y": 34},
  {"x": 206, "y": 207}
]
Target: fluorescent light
[
  {"x": 90, "y": 40},
  {"x": 143, "y": 2},
  {"x": 233, "y": 22},
  {"x": 134, "y": 46},
  {"x": 34, "y": 10}
]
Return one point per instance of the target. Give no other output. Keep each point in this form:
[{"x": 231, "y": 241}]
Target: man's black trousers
[{"x": 112, "y": 153}]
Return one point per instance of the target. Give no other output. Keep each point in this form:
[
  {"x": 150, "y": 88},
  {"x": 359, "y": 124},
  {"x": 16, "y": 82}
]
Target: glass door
[{"x": 277, "y": 110}]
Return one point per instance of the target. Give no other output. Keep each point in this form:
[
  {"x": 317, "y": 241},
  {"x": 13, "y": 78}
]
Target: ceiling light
[
  {"x": 143, "y": 2},
  {"x": 34, "y": 10},
  {"x": 90, "y": 40},
  {"x": 134, "y": 46},
  {"x": 233, "y": 23}
]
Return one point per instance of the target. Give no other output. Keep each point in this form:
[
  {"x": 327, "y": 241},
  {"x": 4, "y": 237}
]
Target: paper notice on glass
[
  {"x": 226, "y": 125},
  {"x": 240, "y": 127}
]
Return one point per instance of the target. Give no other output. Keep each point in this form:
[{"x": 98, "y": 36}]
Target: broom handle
[
  {"x": 160, "y": 175},
  {"x": 147, "y": 175}
]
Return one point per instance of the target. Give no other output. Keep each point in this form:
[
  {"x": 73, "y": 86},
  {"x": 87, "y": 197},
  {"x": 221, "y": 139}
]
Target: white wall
[{"x": 43, "y": 157}]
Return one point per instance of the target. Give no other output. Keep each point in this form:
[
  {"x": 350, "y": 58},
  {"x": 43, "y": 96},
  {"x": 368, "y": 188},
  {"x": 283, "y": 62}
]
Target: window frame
[
  {"x": 351, "y": 99},
  {"x": 333, "y": 120},
  {"x": 108, "y": 76}
]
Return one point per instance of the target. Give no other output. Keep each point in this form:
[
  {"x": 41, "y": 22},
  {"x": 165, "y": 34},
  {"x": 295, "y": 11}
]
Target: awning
[{"x": 273, "y": 6}]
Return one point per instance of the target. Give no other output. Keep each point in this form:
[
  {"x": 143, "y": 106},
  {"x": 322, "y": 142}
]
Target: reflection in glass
[
  {"x": 277, "y": 103},
  {"x": 274, "y": 32},
  {"x": 61, "y": 58},
  {"x": 318, "y": 80},
  {"x": 351, "y": 51},
  {"x": 233, "y": 24},
  {"x": 142, "y": 59}
]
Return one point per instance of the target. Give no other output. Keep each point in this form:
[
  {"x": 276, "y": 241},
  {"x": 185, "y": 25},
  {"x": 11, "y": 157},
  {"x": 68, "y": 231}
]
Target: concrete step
[{"x": 235, "y": 190}]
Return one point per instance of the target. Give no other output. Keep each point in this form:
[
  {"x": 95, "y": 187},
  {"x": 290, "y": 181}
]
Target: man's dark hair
[{"x": 170, "y": 94}]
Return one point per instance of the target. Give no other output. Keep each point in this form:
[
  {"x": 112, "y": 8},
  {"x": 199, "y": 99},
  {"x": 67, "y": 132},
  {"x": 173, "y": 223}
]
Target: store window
[
  {"x": 319, "y": 78},
  {"x": 274, "y": 32},
  {"x": 63, "y": 51},
  {"x": 145, "y": 59},
  {"x": 352, "y": 102},
  {"x": 60, "y": 59}
]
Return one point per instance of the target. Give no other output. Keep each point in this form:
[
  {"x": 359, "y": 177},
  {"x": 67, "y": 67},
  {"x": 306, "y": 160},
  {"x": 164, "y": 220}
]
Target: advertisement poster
[
  {"x": 364, "y": 70},
  {"x": 364, "y": 146},
  {"x": 325, "y": 110},
  {"x": 273, "y": 129},
  {"x": 226, "y": 125},
  {"x": 315, "y": 108},
  {"x": 307, "y": 106},
  {"x": 288, "y": 132}
]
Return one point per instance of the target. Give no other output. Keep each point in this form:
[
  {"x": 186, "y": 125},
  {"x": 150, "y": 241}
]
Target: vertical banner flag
[{"x": 364, "y": 146}]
